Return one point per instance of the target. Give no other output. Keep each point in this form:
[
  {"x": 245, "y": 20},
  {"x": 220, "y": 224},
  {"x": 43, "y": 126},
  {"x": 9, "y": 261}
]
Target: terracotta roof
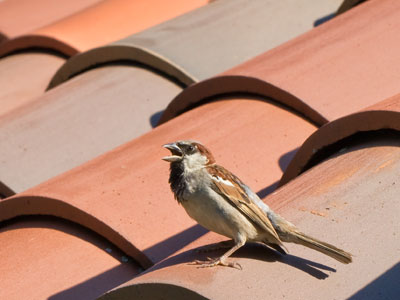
[
  {"x": 133, "y": 84},
  {"x": 340, "y": 67},
  {"x": 19, "y": 17},
  {"x": 181, "y": 46},
  {"x": 341, "y": 200},
  {"x": 95, "y": 228}
]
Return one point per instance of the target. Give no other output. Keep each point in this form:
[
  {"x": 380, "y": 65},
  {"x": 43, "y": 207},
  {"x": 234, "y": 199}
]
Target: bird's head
[{"x": 191, "y": 153}]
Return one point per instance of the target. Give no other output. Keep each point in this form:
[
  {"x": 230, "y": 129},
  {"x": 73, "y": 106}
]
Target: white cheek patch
[{"x": 226, "y": 182}]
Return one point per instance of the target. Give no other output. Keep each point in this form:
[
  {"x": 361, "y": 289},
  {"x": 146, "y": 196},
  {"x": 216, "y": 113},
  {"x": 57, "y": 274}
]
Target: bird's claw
[{"x": 215, "y": 262}]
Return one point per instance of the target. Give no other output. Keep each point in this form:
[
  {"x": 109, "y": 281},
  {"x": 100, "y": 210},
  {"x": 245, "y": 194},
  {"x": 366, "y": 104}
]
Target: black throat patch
[{"x": 176, "y": 180}]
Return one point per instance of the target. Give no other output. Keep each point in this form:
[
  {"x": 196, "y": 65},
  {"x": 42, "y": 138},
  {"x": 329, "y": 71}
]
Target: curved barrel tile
[
  {"x": 333, "y": 70},
  {"x": 200, "y": 92},
  {"x": 384, "y": 115},
  {"x": 124, "y": 194},
  {"x": 350, "y": 200},
  {"x": 199, "y": 42},
  {"x": 49, "y": 258},
  {"x": 27, "y": 77}
]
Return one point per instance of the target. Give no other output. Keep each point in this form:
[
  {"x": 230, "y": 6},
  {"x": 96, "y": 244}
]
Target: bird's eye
[{"x": 190, "y": 148}]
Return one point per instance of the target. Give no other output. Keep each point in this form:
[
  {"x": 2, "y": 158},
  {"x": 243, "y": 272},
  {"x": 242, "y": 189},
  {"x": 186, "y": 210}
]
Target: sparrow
[{"x": 219, "y": 201}]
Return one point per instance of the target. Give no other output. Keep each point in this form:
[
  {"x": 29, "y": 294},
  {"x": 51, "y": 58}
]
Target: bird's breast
[{"x": 213, "y": 212}]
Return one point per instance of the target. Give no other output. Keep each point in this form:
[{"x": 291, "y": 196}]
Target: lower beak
[{"x": 176, "y": 153}]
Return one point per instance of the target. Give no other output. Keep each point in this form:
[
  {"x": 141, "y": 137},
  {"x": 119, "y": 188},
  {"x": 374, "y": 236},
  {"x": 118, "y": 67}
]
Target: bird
[{"x": 219, "y": 201}]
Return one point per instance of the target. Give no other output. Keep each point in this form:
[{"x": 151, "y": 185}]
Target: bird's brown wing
[{"x": 232, "y": 189}]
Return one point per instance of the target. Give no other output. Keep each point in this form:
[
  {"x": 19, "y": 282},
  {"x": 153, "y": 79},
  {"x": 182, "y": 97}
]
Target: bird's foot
[{"x": 210, "y": 262}]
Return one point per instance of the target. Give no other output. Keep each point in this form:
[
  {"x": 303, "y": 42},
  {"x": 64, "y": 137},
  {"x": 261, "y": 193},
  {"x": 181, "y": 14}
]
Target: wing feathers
[{"x": 232, "y": 189}]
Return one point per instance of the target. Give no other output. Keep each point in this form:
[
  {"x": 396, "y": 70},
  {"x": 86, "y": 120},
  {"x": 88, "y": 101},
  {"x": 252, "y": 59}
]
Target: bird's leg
[
  {"x": 215, "y": 247},
  {"x": 222, "y": 260}
]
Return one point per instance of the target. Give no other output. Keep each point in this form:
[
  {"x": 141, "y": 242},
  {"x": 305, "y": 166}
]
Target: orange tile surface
[{"x": 19, "y": 17}]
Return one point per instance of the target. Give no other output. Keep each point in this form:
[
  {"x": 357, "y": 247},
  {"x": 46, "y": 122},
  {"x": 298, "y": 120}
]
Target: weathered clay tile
[
  {"x": 124, "y": 194},
  {"x": 113, "y": 19},
  {"x": 338, "y": 68},
  {"x": 27, "y": 77},
  {"x": 350, "y": 199},
  {"x": 19, "y": 17},
  {"x": 77, "y": 121},
  {"x": 47, "y": 258},
  {"x": 196, "y": 45},
  {"x": 384, "y": 115}
]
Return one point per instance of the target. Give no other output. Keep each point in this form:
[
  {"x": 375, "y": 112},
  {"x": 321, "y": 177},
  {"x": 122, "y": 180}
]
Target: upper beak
[{"x": 176, "y": 152}]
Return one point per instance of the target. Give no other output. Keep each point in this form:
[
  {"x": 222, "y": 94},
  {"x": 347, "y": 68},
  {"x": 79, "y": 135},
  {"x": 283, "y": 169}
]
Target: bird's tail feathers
[{"x": 325, "y": 248}]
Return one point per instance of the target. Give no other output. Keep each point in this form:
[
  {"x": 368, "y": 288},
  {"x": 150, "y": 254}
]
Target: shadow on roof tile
[{"x": 333, "y": 70}]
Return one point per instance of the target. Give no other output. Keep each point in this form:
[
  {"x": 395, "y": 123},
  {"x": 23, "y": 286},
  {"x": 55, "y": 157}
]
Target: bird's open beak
[{"x": 175, "y": 151}]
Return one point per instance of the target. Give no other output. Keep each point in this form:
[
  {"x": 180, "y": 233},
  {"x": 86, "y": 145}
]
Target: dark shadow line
[
  {"x": 250, "y": 250},
  {"x": 324, "y": 19},
  {"x": 154, "y": 118},
  {"x": 386, "y": 286}
]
